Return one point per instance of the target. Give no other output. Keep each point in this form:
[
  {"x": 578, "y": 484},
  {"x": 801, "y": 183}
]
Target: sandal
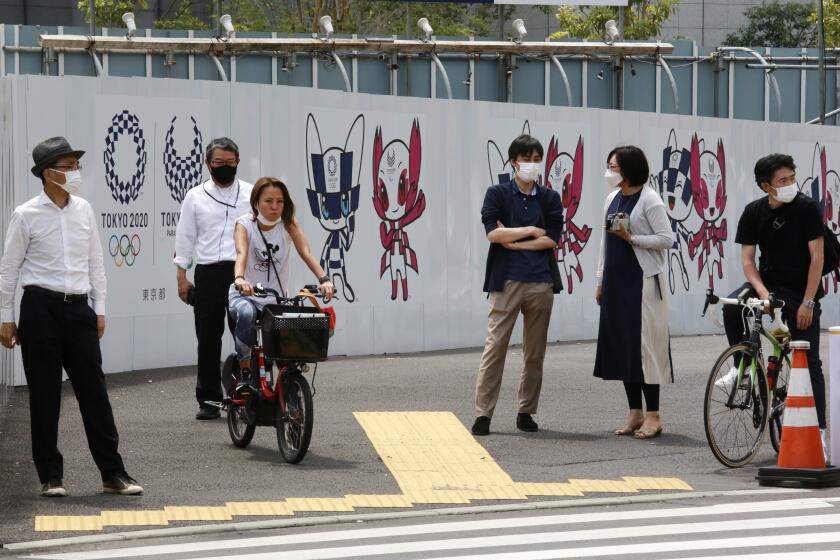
[
  {"x": 626, "y": 430},
  {"x": 642, "y": 434}
]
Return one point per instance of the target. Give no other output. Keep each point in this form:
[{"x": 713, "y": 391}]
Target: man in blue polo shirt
[{"x": 523, "y": 221}]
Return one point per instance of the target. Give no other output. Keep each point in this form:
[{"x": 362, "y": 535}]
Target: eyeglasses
[
  {"x": 76, "y": 167},
  {"x": 221, "y": 162}
]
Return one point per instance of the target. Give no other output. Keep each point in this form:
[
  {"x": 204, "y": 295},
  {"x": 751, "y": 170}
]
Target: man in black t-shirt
[{"x": 787, "y": 226}]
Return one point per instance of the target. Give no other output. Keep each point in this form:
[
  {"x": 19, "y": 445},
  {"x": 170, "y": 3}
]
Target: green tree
[
  {"x": 776, "y": 25},
  {"x": 831, "y": 17},
  {"x": 109, "y": 12},
  {"x": 643, "y": 19}
]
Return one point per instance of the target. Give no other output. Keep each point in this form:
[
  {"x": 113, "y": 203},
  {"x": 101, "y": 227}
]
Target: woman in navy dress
[{"x": 633, "y": 337}]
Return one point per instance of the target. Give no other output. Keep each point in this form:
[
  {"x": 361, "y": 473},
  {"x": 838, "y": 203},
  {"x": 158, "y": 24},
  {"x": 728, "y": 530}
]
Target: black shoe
[
  {"x": 525, "y": 423},
  {"x": 53, "y": 489},
  {"x": 207, "y": 412},
  {"x": 122, "y": 484},
  {"x": 481, "y": 426}
]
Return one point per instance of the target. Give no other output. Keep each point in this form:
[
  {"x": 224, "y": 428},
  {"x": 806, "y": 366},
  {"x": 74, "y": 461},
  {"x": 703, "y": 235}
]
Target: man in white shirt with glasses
[
  {"x": 205, "y": 238},
  {"x": 53, "y": 250}
]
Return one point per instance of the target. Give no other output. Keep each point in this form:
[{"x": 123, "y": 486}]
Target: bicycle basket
[{"x": 296, "y": 333}]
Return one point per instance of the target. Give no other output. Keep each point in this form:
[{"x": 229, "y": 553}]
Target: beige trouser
[{"x": 534, "y": 300}]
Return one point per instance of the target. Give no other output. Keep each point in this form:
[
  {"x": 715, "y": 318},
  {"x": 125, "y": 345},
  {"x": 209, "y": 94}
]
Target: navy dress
[{"x": 619, "y": 353}]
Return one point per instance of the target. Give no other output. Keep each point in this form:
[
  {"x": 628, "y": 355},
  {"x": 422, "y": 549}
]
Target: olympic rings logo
[{"x": 123, "y": 249}]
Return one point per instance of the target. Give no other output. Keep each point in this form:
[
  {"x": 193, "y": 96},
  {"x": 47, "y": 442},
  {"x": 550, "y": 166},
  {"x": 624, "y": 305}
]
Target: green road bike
[{"x": 748, "y": 384}]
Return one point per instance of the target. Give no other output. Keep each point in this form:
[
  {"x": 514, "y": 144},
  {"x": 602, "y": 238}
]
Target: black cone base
[{"x": 815, "y": 478}]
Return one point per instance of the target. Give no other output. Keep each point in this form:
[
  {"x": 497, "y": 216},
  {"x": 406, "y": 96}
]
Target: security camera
[
  {"x": 325, "y": 23},
  {"x": 130, "y": 25},
  {"x": 227, "y": 25},
  {"x": 519, "y": 27},
  {"x": 611, "y": 31},
  {"x": 425, "y": 27}
]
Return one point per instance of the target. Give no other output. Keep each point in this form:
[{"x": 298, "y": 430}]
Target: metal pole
[
  {"x": 621, "y": 23},
  {"x": 442, "y": 71},
  {"x": 347, "y": 87},
  {"x": 92, "y": 18},
  {"x": 563, "y": 77},
  {"x": 718, "y": 70},
  {"x": 821, "y": 59},
  {"x": 219, "y": 67}
]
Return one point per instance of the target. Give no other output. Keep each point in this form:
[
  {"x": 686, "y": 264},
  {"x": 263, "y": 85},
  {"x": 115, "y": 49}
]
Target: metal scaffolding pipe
[
  {"x": 563, "y": 77},
  {"x": 96, "y": 63},
  {"x": 827, "y": 115},
  {"x": 347, "y": 86},
  {"x": 443, "y": 73},
  {"x": 672, "y": 81},
  {"x": 768, "y": 69},
  {"x": 219, "y": 67},
  {"x": 379, "y": 45}
]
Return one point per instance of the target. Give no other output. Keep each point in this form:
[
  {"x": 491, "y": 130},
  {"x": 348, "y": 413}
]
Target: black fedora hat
[{"x": 48, "y": 151}]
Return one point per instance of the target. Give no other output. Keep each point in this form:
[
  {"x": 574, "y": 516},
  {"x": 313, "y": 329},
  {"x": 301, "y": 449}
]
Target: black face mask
[{"x": 224, "y": 174}]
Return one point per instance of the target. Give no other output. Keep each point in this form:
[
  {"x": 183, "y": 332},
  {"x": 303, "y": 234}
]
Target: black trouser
[
  {"x": 212, "y": 282},
  {"x": 735, "y": 333},
  {"x": 634, "y": 396},
  {"x": 54, "y": 334}
]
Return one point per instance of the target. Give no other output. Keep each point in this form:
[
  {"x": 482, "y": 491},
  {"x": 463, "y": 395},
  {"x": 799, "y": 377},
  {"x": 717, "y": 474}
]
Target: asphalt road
[{"x": 181, "y": 461}]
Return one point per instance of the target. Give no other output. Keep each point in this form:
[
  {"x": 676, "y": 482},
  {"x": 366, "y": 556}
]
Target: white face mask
[
  {"x": 528, "y": 171},
  {"x": 261, "y": 219},
  {"x": 612, "y": 178},
  {"x": 72, "y": 181},
  {"x": 786, "y": 194}
]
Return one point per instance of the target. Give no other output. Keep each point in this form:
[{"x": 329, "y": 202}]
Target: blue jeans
[
  {"x": 735, "y": 333},
  {"x": 244, "y": 313}
]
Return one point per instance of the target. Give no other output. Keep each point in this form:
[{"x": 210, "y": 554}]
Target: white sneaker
[{"x": 728, "y": 380}]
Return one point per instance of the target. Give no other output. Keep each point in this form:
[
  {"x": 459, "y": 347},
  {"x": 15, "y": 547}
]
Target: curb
[{"x": 361, "y": 517}]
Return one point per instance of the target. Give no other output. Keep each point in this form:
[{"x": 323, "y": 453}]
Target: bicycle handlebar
[{"x": 260, "y": 290}]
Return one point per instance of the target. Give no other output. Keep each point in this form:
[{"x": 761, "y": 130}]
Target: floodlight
[
  {"x": 612, "y": 31},
  {"x": 227, "y": 25},
  {"x": 130, "y": 25},
  {"x": 425, "y": 27},
  {"x": 519, "y": 27},
  {"x": 325, "y": 23}
]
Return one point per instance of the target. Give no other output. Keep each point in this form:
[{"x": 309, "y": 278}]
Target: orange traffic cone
[
  {"x": 801, "y": 446},
  {"x": 801, "y": 458}
]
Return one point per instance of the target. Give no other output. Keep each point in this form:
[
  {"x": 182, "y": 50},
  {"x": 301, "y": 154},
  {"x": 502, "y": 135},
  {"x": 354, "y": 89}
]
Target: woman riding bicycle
[{"x": 263, "y": 240}]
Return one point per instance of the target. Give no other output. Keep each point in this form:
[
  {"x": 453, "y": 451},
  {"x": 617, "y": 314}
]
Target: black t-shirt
[{"x": 782, "y": 234}]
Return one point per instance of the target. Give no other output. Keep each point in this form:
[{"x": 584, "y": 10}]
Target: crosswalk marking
[
  {"x": 365, "y": 551},
  {"x": 531, "y": 522},
  {"x": 434, "y": 459}
]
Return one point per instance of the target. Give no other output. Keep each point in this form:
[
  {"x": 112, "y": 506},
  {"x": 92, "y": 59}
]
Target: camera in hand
[{"x": 617, "y": 220}]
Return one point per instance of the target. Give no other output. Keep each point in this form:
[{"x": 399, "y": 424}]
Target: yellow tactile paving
[
  {"x": 378, "y": 501},
  {"x": 319, "y": 504},
  {"x": 654, "y": 483},
  {"x": 197, "y": 513},
  {"x": 133, "y": 518},
  {"x": 602, "y": 486},
  {"x": 548, "y": 489},
  {"x": 432, "y": 457},
  {"x": 435, "y": 459},
  {"x": 259, "y": 508},
  {"x": 68, "y": 523}
]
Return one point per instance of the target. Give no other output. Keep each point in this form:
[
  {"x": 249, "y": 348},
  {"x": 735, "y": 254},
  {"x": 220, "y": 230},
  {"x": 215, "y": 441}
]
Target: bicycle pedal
[{"x": 219, "y": 405}]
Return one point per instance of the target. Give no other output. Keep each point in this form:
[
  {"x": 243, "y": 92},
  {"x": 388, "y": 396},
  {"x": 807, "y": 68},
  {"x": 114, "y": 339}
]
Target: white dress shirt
[
  {"x": 54, "y": 248},
  {"x": 208, "y": 216}
]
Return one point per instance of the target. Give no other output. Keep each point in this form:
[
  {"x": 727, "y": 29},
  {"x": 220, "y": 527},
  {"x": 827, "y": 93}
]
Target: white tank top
[{"x": 259, "y": 267}]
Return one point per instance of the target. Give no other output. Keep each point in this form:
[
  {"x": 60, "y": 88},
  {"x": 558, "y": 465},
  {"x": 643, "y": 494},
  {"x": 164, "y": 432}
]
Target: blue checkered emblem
[
  {"x": 181, "y": 172},
  {"x": 125, "y": 124}
]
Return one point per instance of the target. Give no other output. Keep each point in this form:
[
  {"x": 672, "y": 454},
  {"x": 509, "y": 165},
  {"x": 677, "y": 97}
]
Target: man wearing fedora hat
[{"x": 52, "y": 248}]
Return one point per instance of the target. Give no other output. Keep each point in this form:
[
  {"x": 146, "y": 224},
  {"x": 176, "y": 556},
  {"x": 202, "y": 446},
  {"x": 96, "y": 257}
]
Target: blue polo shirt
[{"x": 527, "y": 266}]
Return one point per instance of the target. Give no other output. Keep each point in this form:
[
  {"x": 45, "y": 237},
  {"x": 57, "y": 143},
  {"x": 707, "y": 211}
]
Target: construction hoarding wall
[{"x": 389, "y": 191}]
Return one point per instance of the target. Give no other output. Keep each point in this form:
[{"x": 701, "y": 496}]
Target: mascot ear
[
  {"x": 721, "y": 157},
  {"x": 377, "y": 155},
  {"x": 414, "y": 154},
  {"x": 313, "y": 146},
  {"x": 356, "y": 143},
  {"x": 496, "y": 162}
]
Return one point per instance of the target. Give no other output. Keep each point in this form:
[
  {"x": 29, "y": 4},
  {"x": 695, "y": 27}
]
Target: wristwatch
[
  {"x": 323, "y": 279},
  {"x": 809, "y": 303}
]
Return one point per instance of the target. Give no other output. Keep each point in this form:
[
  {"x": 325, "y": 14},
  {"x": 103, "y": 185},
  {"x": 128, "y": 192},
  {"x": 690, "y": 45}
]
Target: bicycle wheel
[
  {"x": 240, "y": 430},
  {"x": 734, "y": 430},
  {"x": 294, "y": 429},
  {"x": 777, "y": 404}
]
